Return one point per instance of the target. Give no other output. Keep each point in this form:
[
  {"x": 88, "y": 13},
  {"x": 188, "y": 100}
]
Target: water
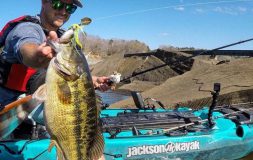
[{"x": 110, "y": 97}]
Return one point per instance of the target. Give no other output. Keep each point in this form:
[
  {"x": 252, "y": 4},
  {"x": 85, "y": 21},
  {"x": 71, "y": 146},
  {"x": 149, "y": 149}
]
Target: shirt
[{"x": 25, "y": 32}]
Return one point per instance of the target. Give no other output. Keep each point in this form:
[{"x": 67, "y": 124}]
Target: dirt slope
[
  {"x": 193, "y": 87},
  {"x": 128, "y": 66}
]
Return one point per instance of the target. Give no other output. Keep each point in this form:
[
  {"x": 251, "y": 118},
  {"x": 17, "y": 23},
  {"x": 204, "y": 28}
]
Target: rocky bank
[{"x": 183, "y": 83}]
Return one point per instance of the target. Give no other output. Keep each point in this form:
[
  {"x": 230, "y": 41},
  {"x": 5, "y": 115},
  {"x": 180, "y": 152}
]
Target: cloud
[
  {"x": 231, "y": 10},
  {"x": 179, "y": 8},
  {"x": 242, "y": 9},
  {"x": 164, "y": 34},
  {"x": 199, "y": 10},
  {"x": 225, "y": 10}
]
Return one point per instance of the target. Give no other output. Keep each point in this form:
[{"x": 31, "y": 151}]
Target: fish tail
[
  {"x": 60, "y": 155},
  {"x": 97, "y": 148}
]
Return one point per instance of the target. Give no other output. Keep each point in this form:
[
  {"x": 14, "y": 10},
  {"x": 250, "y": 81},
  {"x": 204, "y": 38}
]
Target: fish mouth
[{"x": 62, "y": 71}]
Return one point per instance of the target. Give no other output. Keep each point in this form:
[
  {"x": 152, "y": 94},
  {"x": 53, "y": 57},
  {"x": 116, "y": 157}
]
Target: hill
[{"x": 193, "y": 87}]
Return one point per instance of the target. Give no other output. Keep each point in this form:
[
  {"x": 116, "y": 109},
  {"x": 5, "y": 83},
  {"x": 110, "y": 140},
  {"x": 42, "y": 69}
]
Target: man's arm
[{"x": 38, "y": 56}]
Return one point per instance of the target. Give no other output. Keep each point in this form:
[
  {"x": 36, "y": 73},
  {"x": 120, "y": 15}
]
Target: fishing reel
[{"x": 114, "y": 79}]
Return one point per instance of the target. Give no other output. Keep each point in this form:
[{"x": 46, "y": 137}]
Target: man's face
[{"x": 55, "y": 17}]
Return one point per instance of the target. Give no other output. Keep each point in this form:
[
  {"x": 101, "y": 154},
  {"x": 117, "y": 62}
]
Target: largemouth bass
[{"x": 70, "y": 112}]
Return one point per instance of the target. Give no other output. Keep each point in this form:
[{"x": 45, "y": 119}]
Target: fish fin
[
  {"x": 64, "y": 93},
  {"x": 97, "y": 149},
  {"x": 40, "y": 93},
  {"x": 60, "y": 155},
  {"x": 51, "y": 145}
]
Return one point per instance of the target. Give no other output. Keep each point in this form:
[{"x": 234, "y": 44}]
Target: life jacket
[{"x": 16, "y": 76}]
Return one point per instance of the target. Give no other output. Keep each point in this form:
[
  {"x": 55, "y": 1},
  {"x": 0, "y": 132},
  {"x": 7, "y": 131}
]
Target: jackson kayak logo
[{"x": 167, "y": 148}]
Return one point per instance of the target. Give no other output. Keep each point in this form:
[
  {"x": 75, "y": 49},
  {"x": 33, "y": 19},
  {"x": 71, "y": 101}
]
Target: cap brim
[{"x": 78, "y": 3}]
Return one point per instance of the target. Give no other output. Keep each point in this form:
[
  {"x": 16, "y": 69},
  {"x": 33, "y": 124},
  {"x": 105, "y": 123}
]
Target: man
[{"x": 27, "y": 54}]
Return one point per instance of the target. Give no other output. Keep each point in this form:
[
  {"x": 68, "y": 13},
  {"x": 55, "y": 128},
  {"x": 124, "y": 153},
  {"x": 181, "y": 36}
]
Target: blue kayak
[{"x": 181, "y": 134}]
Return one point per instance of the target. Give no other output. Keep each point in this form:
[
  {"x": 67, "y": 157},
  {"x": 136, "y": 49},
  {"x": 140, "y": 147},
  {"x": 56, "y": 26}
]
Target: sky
[{"x": 205, "y": 24}]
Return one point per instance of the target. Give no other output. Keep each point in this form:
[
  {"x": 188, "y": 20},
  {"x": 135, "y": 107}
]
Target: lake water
[{"x": 110, "y": 97}]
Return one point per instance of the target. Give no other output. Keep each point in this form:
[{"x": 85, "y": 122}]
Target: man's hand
[
  {"x": 101, "y": 83},
  {"x": 44, "y": 49},
  {"x": 46, "y": 52},
  {"x": 38, "y": 56}
]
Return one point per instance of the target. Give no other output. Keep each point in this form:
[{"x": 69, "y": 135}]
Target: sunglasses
[{"x": 58, "y": 5}]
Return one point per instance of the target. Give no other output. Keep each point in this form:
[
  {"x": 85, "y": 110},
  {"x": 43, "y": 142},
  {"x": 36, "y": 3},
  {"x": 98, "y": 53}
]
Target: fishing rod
[{"x": 176, "y": 63}]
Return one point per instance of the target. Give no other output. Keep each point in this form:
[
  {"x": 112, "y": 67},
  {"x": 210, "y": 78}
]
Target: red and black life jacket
[{"x": 16, "y": 76}]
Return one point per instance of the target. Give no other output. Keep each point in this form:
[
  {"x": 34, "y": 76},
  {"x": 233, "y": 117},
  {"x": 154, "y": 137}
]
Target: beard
[{"x": 54, "y": 19}]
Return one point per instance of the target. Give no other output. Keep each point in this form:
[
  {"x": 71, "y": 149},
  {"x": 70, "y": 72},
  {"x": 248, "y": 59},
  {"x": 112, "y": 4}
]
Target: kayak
[
  {"x": 147, "y": 132},
  {"x": 230, "y": 138},
  {"x": 159, "y": 134}
]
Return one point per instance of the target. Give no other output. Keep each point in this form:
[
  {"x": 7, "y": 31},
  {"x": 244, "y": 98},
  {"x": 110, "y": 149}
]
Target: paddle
[
  {"x": 15, "y": 113},
  {"x": 15, "y": 104}
]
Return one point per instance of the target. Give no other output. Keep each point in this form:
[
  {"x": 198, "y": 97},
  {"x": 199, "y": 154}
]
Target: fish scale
[{"x": 71, "y": 113}]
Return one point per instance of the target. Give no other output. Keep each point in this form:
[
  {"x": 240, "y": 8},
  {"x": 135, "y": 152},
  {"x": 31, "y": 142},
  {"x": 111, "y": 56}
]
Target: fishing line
[{"x": 168, "y": 7}]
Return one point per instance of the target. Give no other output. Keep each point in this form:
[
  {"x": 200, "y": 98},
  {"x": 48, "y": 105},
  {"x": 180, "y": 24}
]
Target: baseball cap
[{"x": 78, "y": 3}]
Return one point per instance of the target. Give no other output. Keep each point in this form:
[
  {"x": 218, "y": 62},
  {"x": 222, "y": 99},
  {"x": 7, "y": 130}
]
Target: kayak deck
[
  {"x": 230, "y": 138},
  {"x": 126, "y": 136}
]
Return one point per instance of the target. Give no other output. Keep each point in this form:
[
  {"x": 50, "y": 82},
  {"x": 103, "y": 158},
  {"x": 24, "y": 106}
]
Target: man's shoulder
[
  {"x": 27, "y": 26},
  {"x": 25, "y": 30}
]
